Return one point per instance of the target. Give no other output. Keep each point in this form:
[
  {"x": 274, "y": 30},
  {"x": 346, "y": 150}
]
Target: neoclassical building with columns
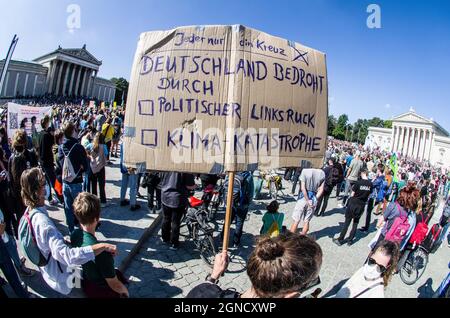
[
  {"x": 413, "y": 136},
  {"x": 63, "y": 72}
]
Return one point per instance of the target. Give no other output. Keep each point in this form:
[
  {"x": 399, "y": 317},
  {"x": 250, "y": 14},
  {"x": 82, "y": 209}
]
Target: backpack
[
  {"x": 247, "y": 189},
  {"x": 27, "y": 240},
  {"x": 242, "y": 189},
  {"x": 420, "y": 232},
  {"x": 98, "y": 160},
  {"x": 399, "y": 228},
  {"x": 382, "y": 192},
  {"x": 68, "y": 172},
  {"x": 431, "y": 242},
  {"x": 335, "y": 176}
]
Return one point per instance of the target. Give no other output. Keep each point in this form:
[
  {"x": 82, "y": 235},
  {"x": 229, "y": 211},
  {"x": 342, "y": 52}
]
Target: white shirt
[
  {"x": 49, "y": 239},
  {"x": 358, "y": 283}
]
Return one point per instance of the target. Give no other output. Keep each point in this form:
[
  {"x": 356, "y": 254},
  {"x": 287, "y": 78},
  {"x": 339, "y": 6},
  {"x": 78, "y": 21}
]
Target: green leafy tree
[
  {"x": 340, "y": 129},
  {"x": 121, "y": 90},
  {"x": 332, "y": 122}
]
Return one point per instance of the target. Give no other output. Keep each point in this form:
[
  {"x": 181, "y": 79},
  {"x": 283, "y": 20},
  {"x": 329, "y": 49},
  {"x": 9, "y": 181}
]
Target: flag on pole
[
  {"x": 7, "y": 61},
  {"x": 393, "y": 165}
]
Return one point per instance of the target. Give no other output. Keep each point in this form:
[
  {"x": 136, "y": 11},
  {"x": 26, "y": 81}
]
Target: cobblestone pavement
[{"x": 159, "y": 272}]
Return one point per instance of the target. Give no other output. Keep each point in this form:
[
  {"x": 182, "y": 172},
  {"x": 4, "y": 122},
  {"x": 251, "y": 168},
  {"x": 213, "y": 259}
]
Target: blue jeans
[
  {"x": 129, "y": 181},
  {"x": 11, "y": 246},
  {"x": 240, "y": 214},
  {"x": 10, "y": 273},
  {"x": 70, "y": 192}
]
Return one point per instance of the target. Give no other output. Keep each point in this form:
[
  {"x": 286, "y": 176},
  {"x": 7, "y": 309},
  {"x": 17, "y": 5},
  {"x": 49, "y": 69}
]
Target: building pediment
[
  {"x": 81, "y": 54},
  {"x": 412, "y": 117}
]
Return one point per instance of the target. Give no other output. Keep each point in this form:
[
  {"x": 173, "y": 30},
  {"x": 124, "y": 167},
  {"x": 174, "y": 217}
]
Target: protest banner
[
  {"x": 214, "y": 99},
  {"x": 224, "y": 98},
  {"x": 17, "y": 113}
]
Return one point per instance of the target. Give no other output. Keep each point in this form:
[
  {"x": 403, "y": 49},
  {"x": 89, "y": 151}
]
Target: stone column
[
  {"x": 83, "y": 81},
  {"x": 52, "y": 72},
  {"x": 88, "y": 83},
  {"x": 49, "y": 75},
  {"x": 77, "y": 82},
  {"x": 93, "y": 83},
  {"x": 25, "y": 85},
  {"x": 430, "y": 146},
  {"x": 413, "y": 142},
  {"x": 405, "y": 149},
  {"x": 72, "y": 77},
  {"x": 400, "y": 139},
  {"x": 418, "y": 144},
  {"x": 66, "y": 78},
  {"x": 34, "y": 85},
  {"x": 422, "y": 144},
  {"x": 59, "y": 77}
]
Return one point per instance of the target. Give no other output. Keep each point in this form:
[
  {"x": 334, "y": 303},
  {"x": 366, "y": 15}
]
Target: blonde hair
[{"x": 86, "y": 208}]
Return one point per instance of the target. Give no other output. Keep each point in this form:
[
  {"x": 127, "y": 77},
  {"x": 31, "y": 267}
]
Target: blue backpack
[{"x": 27, "y": 239}]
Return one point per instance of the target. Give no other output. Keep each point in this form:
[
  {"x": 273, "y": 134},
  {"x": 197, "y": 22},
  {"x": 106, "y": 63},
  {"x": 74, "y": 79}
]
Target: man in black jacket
[
  {"x": 46, "y": 143},
  {"x": 78, "y": 158}
]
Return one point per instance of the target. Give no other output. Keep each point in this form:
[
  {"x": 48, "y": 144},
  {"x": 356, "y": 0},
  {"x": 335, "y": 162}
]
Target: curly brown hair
[{"x": 409, "y": 197}]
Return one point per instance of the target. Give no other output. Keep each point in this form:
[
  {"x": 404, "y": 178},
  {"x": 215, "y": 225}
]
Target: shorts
[{"x": 302, "y": 212}]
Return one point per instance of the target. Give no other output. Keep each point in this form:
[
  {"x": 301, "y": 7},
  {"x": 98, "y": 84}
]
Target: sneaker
[
  {"x": 124, "y": 203},
  {"x": 350, "y": 242},
  {"x": 135, "y": 207},
  {"x": 26, "y": 272},
  {"x": 139, "y": 195},
  {"x": 337, "y": 242}
]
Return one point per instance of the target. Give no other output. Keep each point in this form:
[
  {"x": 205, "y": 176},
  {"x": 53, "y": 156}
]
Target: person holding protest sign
[{"x": 279, "y": 267}]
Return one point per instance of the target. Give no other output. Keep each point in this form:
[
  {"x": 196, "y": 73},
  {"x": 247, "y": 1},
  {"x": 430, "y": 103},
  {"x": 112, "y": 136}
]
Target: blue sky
[{"x": 372, "y": 72}]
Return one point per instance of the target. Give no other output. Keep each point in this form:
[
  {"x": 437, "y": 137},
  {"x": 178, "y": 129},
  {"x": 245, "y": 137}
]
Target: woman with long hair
[
  {"x": 371, "y": 280},
  {"x": 50, "y": 242},
  {"x": 21, "y": 160},
  {"x": 98, "y": 153}
]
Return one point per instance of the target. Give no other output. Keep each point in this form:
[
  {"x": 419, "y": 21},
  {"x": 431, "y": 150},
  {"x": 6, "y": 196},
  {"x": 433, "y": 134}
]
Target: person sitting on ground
[
  {"x": 279, "y": 267},
  {"x": 100, "y": 278},
  {"x": 50, "y": 241},
  {"x": 371, "y": 280},
  {"x": 272, "y": 220}
]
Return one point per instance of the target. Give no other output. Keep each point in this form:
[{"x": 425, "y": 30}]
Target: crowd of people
[{"x": 64, "y": 164}]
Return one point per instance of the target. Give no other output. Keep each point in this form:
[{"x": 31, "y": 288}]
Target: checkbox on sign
[
  {"x": 149, "y": 137},
  {"x": 146, "y": 107}
]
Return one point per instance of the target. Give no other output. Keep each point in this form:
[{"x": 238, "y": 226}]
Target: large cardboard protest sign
[
  {"x": 17, "y": 113},
  {"x": 211, "y": 99}
]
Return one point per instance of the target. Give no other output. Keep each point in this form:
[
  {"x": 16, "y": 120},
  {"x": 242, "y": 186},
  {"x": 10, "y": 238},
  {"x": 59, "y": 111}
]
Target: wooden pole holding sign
[{"x": 226, "y": 232}]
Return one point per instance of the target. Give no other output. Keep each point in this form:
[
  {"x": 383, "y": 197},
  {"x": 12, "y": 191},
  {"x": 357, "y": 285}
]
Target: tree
[
  {"x": 121, "y": 90},
  {"x": 332, "y": 122},
  {"x": 339, "y": 130},
  {"x": 387, "y": 124}
]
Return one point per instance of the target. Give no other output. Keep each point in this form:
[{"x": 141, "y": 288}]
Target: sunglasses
[{"x": 382, "y": 269}]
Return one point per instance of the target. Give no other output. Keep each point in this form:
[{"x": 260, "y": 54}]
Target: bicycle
[
  {"x": 414, "y": 265},
  {"x": 274, "y": 184},
  {"x": 216, "y": 201},
  {"x": 200, "y": 232}
]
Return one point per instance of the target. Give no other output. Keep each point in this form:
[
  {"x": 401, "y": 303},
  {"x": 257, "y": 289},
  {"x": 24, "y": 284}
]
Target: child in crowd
[
  {"x": 100, "y": 278},
  {"x": 272, "y": 220}
]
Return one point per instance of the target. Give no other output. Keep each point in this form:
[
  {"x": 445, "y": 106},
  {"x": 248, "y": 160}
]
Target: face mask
[{"x": 370, "y": 272}]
